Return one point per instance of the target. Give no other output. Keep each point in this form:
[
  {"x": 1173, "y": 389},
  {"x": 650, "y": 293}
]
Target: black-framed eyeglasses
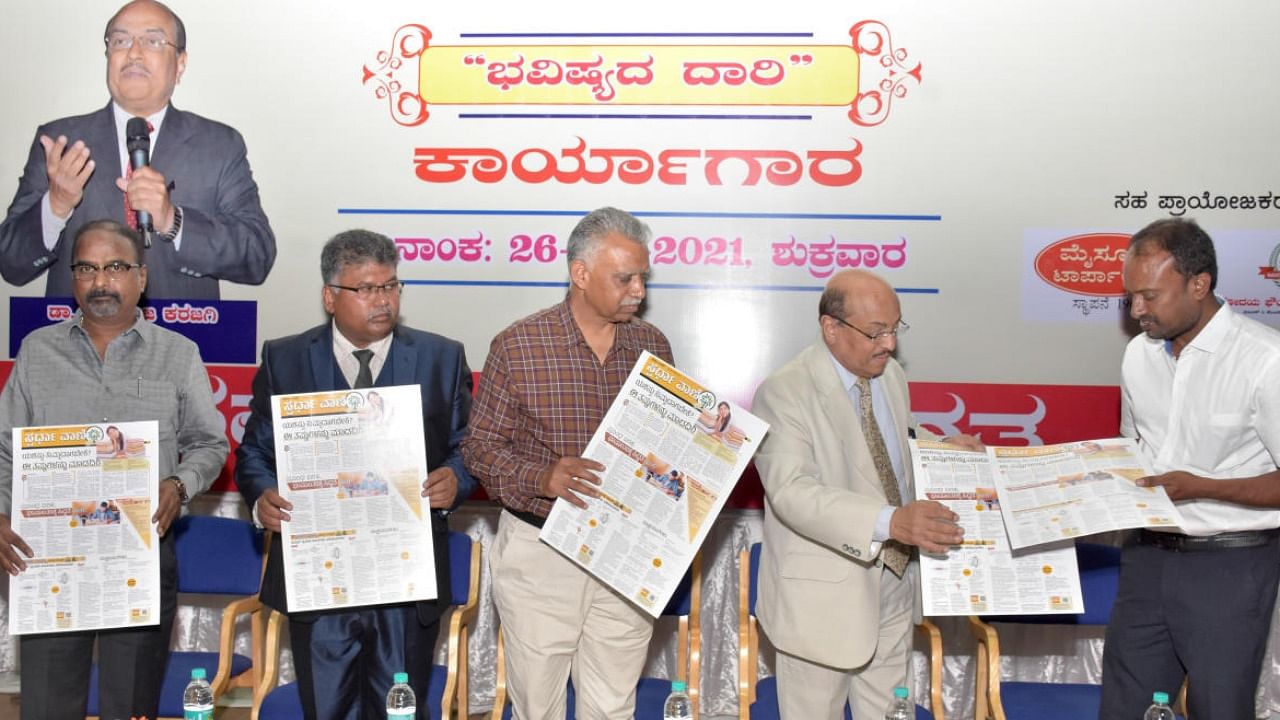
[
  {"x": 115, "y": 270},
  {"x": 154, "y": 41},
  {"x": 878, "y": 335},
  {"x": 364, "y": 292}
]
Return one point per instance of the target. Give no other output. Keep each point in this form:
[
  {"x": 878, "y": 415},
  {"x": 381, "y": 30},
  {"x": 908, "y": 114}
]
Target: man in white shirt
[
  {"x": 198, "y": 190},
  {"x": 1200, "y": 394}
]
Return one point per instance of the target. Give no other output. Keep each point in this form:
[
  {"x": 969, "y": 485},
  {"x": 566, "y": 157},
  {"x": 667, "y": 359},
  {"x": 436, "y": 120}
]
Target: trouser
[
  {"x": 559, "y": 621},
  {"x": 131, "y": 662},
  {"x": 1199, "y": 614},
  {"x": 345, "y": 660},
  {"x": 809, "y": 691}
]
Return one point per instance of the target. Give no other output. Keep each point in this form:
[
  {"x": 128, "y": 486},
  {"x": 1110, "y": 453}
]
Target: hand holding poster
[
  {"x": 352, "y": 462},
  {"x": 1073, "y": 489},
  {"x": 982, "y": 575},
  {"x": 672, "y": 453},
  {"x": 83, "y": 497}
]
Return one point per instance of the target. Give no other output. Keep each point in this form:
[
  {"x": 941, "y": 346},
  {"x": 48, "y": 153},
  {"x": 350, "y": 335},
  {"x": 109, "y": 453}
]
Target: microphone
[{"x": 138, "y": 143}]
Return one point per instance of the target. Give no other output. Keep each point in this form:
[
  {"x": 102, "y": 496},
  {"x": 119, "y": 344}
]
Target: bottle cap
[
  {"x": 679, "y": 686},
  {"x": 900, "y": 693},
  {"x": 197, "y": 674},
  {"x": 1161, "y": 698},
  {"x": 400, "y": 678}
]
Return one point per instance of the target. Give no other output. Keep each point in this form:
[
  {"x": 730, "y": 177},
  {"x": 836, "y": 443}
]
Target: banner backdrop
[{"x": 989, "y": 159}]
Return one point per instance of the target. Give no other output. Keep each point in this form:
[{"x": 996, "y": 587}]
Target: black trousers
[
  {"x": 131, "y": 662},
  {"x": 1203, "y": 615},
  {"x": 345, "y": 660}
]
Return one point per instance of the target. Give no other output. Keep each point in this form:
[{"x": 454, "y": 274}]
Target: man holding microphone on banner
[
  {"x": 548, "y": 381},
  {"x": 838, "y": 577},
  {"x": 184, "y": 178},
  {"x": 345, "y": 659},
  {"x": 109, "y": 365}
]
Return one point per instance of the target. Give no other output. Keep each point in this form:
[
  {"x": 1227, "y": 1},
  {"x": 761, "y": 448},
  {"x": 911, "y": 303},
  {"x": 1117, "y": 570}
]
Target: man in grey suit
[
  {"x": 199, "y": 191},
  {"x": 837, "y": 581}
]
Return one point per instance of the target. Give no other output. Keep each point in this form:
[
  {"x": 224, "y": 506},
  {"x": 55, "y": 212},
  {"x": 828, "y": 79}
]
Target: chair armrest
[
  {"x": 270, "y": 675},
  {"x": 987, "y": 671},
  {"x": 226, "y": 643},
  {"x": 695, "y": 637},
  {"x": 934, "y": 637},
  {"x": 461, "y": 619},
  {"x": 746, "y": 654}
]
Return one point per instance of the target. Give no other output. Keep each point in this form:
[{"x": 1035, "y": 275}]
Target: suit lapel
[
  {"x": 406, "y": 359},
  {"x": 171, "y": 141},
  {"x": 323, "y": 366},
  {"x": 842, "y": 417}
]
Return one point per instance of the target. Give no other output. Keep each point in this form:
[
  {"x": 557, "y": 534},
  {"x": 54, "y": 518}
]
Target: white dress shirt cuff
[
  {"x": 881, "y": 532},
  {"x": 50, "y": 225}
]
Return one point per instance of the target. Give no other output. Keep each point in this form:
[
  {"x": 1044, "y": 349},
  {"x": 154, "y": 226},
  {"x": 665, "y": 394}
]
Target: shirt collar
[
  {"x": 624, "y": 338},
  {"x": 847, "y": 379},
  {"x": 1214, "y": 333},
  {"x": 341, "y": 345},
  {"x": 143, "y": 329}
]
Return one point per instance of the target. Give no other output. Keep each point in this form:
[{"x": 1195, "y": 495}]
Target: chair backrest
[
  {"x": 1099, "y": 579},
  {"x": 217, "y": 555},
  {"x": 460, "y": 571}
]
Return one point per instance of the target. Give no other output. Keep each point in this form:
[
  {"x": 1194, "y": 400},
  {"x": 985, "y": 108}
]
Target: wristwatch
[
  {"x": 183, "y": 498},
  {"x": 172, "y": 233}
]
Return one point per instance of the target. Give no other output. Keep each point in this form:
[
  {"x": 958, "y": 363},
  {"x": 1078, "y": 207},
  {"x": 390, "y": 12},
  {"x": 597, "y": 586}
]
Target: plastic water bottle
[
  {"x": 900, "y": 708},
  {"x": 197, "y": 699},
  {"x": 678, "y": 705},
  {"x": 1159, "y": 709},
  {"x": 400, "y": 700}
]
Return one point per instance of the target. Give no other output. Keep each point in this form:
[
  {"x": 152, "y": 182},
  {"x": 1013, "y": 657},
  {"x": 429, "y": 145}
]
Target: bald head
[{"x": 855, "y": 306}]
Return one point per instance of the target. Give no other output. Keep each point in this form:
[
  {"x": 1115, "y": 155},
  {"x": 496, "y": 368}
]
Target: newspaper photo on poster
[
  {"x": 982, "y": 575},
  {"x": 1056, "y": 492},
  {"x": 352, "y": 463},
  {"x": 83, "y": 497},
  {"x": 672, "y": 452}
]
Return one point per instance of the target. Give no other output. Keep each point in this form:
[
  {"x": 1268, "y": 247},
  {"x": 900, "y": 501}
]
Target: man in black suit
[
  {"x": 345, "y": 658},
  {"x": 199, "y": 190}
]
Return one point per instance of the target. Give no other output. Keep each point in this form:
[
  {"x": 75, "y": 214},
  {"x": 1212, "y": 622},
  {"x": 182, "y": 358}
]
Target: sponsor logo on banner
[
  {"x": 1090, "y": 264},
  {"x": 225, "y": 330}
]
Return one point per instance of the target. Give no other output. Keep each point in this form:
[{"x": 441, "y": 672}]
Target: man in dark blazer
[
  {"x": 199, "y": 191},
  {"x": 345, "y": 658}
]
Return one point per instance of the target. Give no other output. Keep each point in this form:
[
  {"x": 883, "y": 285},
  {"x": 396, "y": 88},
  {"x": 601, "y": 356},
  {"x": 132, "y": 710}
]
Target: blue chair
[
  {"x": 216, "y": 556},
  {"x": 758, "y": 699},
  {"x": 1099, "y": 579},
  {"x": 447, "y": 684},
  {"x": 651, "y": 692}
]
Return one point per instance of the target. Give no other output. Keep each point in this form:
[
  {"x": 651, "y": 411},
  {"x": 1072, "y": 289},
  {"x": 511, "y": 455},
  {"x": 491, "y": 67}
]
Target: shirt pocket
[{"x": 157, "y": 400}]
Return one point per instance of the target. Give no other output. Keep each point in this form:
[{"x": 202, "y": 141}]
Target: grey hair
[
  {"x": 355, "y": 247},
  {"x": 599, "y": 224}
]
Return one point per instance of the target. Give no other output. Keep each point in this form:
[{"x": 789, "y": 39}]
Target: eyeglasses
[
  {"x": 151, "y": 41},
  {"x": 876, "y": 336},
  {"x": 115, "y": 270},
  {"x": 365, "y": 292}
]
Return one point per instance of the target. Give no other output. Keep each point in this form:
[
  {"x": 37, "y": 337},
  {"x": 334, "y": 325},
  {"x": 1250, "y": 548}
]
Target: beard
[{"x": 102, "y": 304}]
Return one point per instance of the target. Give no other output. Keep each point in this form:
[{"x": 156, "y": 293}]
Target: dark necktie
[
  {"x": 364, "y": 378},
  {"x": 893, "y": 554}
]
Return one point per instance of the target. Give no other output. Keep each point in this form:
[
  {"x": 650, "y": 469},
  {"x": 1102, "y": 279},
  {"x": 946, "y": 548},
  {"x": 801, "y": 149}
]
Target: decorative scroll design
[
  {"x": 406, "y": 107},
  {"x": 871, "y": 39}
]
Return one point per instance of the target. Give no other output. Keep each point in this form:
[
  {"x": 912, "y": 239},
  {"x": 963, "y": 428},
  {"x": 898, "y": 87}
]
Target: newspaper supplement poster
[
  {"x": 672, "y": 452},
  {"x": 83, "y": 497},
  {"x": 352, "y": 463},
  {"x": 1055, "y": 492},
  {"x": 982, "y": 576}
]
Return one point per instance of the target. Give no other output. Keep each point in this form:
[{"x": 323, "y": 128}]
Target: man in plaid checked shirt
[{"x": 548, "y": 381}]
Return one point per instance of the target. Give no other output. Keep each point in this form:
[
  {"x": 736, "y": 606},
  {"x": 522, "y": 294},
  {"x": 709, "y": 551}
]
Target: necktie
[
  {"x": 130, "y": 215},
  {"x": 364, "y": 378},
  {"x": 894, "y": 554}
]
